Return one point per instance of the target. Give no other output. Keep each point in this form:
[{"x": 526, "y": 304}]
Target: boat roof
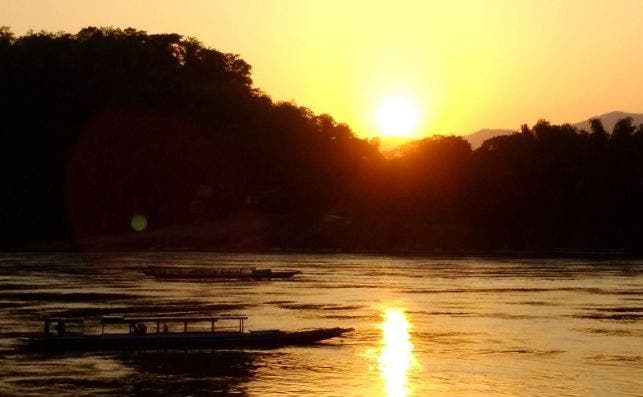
[
  {"x": 123, "y": 319},
  {"x": 202, "y": 268},
  {"x": 66, "y": 319}
]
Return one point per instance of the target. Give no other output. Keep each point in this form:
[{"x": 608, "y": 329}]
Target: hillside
[
  {"x": 609, "y": 119},
  {"x": 476, "y": 138}
]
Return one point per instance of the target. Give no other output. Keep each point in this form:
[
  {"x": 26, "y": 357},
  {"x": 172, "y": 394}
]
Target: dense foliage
[{"x": 103, "y": 125}]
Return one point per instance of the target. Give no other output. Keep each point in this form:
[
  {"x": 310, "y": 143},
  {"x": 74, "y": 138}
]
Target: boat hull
[
  {"x": 190, "y": 340},
  {"x": 222, "y": 274}
]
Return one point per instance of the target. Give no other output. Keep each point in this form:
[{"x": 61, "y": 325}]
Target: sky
[{"x": 461, "y": 65}]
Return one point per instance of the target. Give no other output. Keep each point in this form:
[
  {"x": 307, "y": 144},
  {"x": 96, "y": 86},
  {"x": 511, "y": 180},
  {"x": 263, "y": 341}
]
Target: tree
[
  {"x": 623, "y": 130},
  {"x": 598, "y": 133}
]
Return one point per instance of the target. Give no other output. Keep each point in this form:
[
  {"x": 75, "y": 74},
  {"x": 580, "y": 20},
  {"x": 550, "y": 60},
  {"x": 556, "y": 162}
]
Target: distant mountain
[
  {"x": 609, "y": 119},
  {"x": 480, "y": 136}
]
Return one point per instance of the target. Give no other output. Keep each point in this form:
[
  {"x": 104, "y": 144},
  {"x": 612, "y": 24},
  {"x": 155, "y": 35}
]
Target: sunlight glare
[
  {"x": 397, "y": 116},
  {"x": 396, "y": 358}
]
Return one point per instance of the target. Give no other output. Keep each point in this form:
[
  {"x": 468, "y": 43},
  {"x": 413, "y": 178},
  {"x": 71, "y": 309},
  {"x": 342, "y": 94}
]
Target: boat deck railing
[{"x": 61, "y": 324}]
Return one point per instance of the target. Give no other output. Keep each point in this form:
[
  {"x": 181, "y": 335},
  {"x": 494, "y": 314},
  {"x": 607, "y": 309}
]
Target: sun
[{"x": 397, "y": 116}]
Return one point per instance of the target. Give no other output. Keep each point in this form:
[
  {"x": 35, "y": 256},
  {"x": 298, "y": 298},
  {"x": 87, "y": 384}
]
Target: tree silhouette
[
  {"x": 623, "y": 130},
  {"x": 106, "y": 125}
]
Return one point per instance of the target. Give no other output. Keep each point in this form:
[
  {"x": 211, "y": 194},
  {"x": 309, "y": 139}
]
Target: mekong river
[{"x": 423, "y": 327}]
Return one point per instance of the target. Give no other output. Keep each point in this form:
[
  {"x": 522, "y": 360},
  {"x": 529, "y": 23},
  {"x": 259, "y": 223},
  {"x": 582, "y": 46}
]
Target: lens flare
[
  {"x": 396, "y": 358},
  {"x": 138, "y": 223}
]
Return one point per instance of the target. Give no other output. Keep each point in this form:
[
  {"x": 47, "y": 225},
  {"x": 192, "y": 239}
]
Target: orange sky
[{"x": 466, "y": 64}]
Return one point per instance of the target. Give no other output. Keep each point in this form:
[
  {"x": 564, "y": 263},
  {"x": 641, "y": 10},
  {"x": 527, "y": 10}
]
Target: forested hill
[{"x": 108, "y": 130}]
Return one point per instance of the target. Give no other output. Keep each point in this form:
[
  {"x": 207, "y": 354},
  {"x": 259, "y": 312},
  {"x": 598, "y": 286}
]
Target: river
[{"x": 423, "y": 326}]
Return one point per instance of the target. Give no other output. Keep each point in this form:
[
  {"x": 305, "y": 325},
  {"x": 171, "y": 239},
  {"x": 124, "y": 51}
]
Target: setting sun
[{"x": 397, "y": 116}]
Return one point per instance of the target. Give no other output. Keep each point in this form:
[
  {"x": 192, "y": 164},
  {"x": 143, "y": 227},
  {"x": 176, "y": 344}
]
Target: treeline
[{"x": 106, "y": 124}]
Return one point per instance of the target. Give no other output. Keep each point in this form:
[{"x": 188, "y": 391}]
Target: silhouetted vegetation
[{"x": 106, "y": 124}]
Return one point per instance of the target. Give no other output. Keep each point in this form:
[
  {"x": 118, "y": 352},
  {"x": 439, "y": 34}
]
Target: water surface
[{"x": 443, "y": 327}]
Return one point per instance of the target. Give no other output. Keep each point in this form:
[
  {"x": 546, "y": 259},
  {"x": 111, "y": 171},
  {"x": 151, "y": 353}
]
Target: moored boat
[
  {"x": 175, "y": 272},
  {"x": 151, "y": 332}
]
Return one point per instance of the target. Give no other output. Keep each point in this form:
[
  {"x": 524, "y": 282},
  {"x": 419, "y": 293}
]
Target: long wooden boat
[
  {"x": 175, "y": 272},
  {"x": 159, "y": 337}
]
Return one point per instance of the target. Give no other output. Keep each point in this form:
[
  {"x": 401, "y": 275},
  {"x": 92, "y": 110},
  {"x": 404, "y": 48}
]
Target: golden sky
[{"x": 466, "y": 65}]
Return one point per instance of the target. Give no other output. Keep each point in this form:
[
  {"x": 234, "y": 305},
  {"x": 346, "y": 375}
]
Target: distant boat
[
  {"x": 157, "y": 336},
  {"x": 175, "y": 272}
]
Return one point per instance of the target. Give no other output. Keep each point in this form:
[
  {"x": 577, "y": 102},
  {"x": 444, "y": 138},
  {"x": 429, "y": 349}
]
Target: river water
[{"x": 423, "y": 327}]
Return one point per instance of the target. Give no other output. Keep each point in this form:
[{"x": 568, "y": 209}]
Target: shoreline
[{"x": 604, "y": 254}]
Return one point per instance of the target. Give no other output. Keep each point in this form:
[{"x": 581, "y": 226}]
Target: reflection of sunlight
[{"x": 396, "y": 358}]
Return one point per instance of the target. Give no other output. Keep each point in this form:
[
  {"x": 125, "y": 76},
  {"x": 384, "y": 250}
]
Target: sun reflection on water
[{"x": 396, "y": 358}]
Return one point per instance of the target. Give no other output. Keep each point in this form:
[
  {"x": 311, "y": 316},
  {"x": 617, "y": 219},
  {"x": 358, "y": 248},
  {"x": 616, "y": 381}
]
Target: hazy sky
[{"x": 467, "y": 64}]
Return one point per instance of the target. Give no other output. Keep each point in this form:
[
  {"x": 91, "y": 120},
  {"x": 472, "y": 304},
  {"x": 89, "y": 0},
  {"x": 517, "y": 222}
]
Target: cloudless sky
[{"x": 467, "y": 64}]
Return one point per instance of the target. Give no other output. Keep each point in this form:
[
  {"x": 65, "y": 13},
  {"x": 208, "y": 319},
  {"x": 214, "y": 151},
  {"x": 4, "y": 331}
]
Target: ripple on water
[
  {"x": 615, "y": 359},
  {"x": 315, "y": 306},
  {"x": 613, "y": 317},
  {"x": 519, "y": 350},
  {"x": 613, "y": 332}
]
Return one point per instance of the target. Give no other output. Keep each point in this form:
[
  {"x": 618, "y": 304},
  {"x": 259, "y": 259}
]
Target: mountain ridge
[{"x": 609, "y": 119}]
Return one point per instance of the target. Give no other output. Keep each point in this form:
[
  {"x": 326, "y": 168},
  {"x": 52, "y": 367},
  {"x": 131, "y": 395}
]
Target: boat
[
  {"x": 152, "y": 333},
  {"x": 251, "y": 273}
]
